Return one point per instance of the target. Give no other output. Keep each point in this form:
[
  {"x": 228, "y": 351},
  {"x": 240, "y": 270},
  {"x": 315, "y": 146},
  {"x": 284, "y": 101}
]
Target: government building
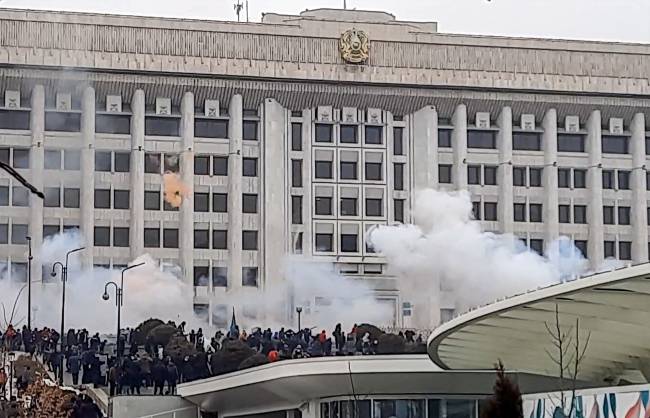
[{"x": 298, "y": 134}]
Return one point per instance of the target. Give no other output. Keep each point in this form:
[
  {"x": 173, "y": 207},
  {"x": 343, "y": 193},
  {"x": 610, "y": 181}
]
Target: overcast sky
[{"x": 611, "y": 20}]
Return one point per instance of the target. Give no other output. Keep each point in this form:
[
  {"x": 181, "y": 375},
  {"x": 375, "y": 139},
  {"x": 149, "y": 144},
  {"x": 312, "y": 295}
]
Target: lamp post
[
  {"x": 29, "y": 284},
  {"x": 64, "y": 279},
  {"x": 12, "y": 357},
  {"x": 119, "y": 301},
  {"x": 299, "y": 312}
]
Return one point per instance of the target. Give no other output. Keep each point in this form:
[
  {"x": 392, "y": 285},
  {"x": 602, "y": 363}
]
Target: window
[
  {"x": 349, "y": 134},
  {"x": 582, "y": 246},
  {"x": 201, "y": 202},
  {"x": 481, "y": 139},
  {"x": 489, "y": 211},
  {"x": 72, "y": 160},
  {"x": 535, "y": 177},
  {"x": 520, "y": 212},
  {"x": 323, "y": 205},
  {"x": 62, "y": 122},
  {"x": 201, "y": 275},
  {"x": 476, "y": 210},
  {"x": 348, "y": 170},
  {"x": 219, "y": 276},
  {"x": 537, "y": 245},
  {"x": 151, "y": 200},
  {"x": 349, "y": 243},
  {"x": 374, "y": 135},
  {"x": 490, "y": 175},
  {"x": 112, "y": 124},
  {"x": 323, "y": 169},
  {"x": 161, "y": 126},
  {"x": 444, "y": 173},
  {"x": 403, "y": 408},
  {"x": 170, "y": 238},
  {"x": 250, "y": 130},
  {"x": 20, "y": 196},
  {"x": 52, "y": 160},
  {"x": 102, "y": 236},
  {"x": 623, "y": 215},
  {"x": 324, "y": 242},
  {"x": 579, "y": 179},
  {"x": 610, "y": 249},
  {"x": 623, "y": 180},
  {"x": 373, "y": 171},
  {"x": 220, "y": 166},
  {"x": 220, "y": 202},
  {"x": 21, "y": 158},
  {"x": 564, "y": 178},
  {"x": 171, "y": 163},
  {"x": 526, "y": 141},
  {"x": 535, "y": 212},
  {"x": 122, "y": 162},
  {"x": 249, "y": 276},
  {"x": 120, "y": 237},
  {"x": 52, "y": 197},
  {"x": 70, "y": 198},
  {"x": 608, "y": 179},
  {"x": 14, "y": 119},
  {"x": 250, "y": 203},
  {"x": 48, "y": 231},
  {"x": 579, "y": 214},
  {"x": 249, "y": 167},
  {"x": 4, "y": 195},
  {"x": 103, "y": 161},
  {"x": 323, "y": 132},
  {"x": 399, "y": 210},
  {"x": 296, "y": 137},
  {"x": 374, "y": 207},
  {"x": 296, "y": 173},
  {"x": 219, "y": 239},
  {"x": 349, "y": 206},
  {"x": 19, "y": 234},
  {"x": 398, "y": 174},
  {"x": 398, "y": 141},
  {"x": 565, "y": 214},
  {"x": 202, "y": 165},
  {"x": 519, "y": 176},
  {"x": 210, "y": 128},
  {"x": 201, "y": 238},
  {"x": 152, "y": 163},
  {"x": 624, "y": 250},
  {"x": 296, "y": 210},
  {"x": 121, "y": 199},
  {"x": 249, "y": 240},
  {"x": 102, "y": 199},
  {"x": 474, "y": 174},
  {"x": 614, "y": 144},
  {"x": 444, "y": 138},
  {"x": 4, "y": 155},
  {"x": 570, "y": 142},
  {"x": 608, "y": 215}
]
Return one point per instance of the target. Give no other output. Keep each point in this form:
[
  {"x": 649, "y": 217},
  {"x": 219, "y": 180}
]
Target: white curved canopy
[{"x": 613, "y": 310}]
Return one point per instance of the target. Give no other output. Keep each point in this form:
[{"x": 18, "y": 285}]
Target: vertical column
[
  {"x": 595, "y": 246},
  {"x": 137, "y": 174},
  {"x": 424, "y": 148},
  {"x": 459, "y": 143},
  {"x": 187, "y": 177},
  {"x": 87, "y": 202},
  {"x": 235, "y": 217},
  {"x": 307, "y": 238},
  {"x": 549, "y": 175},
  {"x": 504, "y": 142},
  {"x": 639, "y": 201},
  {"x": 36, "y": 159}
]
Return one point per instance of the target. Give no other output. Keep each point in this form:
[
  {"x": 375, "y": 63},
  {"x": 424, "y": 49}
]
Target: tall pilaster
[
  {"x": 639, "y": 201},
  {"x": 36, "y": 159},
  {"x": 459, "y": 144},
  {"x": 504, "y": 143},
  {"x": 187, "y": 176},
  {"x": 308, "y": 238},
  {"x": 87, "y": 193},
  {"x": 235, "y": 216},
  {"x": 549, "y": 175},
  {"x": 137, "y": 174},
  {"x": 424, "y": 148},
  {"x": 595, "y": 249}
]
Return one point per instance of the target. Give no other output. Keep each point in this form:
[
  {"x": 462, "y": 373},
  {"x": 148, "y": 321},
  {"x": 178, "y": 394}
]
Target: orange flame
[{"x": 175, "y": 189}]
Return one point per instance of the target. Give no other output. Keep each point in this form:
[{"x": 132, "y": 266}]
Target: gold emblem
[{"x": 354, "y": 45}]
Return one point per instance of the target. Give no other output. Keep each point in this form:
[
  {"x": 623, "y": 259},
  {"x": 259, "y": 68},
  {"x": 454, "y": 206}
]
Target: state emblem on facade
[{"x": 354, "y": 46}]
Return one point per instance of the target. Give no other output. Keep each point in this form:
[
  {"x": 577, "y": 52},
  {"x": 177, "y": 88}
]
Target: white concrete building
[{"x": 294, "y": 139}]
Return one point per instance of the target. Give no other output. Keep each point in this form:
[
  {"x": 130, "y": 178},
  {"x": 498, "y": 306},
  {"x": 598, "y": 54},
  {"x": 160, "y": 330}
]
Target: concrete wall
[{"x": 151, "y": 406}]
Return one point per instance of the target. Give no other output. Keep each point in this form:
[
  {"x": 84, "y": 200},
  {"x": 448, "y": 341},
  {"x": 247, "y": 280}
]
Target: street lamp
[
  {"x": 119, "y": 301},
  {"x": 29, "y": 284},
  {"x": 12, "y": 357},
  {"x": 299, "y": 312},
  {"x": 64, "y": 279}
]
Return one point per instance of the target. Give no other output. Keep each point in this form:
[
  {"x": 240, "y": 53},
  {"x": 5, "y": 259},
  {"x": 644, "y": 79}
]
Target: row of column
[{"x": 424, "y": 127}]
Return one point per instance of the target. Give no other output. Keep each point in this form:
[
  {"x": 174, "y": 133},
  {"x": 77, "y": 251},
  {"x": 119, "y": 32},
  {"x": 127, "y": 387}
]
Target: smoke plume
[{"x": 175, "y": 189}]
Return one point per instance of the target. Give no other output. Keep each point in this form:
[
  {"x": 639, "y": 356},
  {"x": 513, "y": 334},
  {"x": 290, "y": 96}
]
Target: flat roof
[{"x": 612, "y": 310}]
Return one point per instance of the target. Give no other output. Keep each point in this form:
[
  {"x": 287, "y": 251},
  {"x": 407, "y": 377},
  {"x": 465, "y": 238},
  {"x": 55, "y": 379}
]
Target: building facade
[{"x": 298, "y": 134}]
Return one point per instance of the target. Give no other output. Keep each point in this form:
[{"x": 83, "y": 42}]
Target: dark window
[
  {"x": 323, "y": 132},
  {"x": 48, "y": 231},
  {"x": 52, "y": 160},
  {"x": 623, "y": 180},
  {"x": 70, "y": 198},
  {"x": 581, "y": 245},
  {"x": 647, "y": 145},
  {"x": 21, "y": 158},
  {"x": 349, "y": 243},
  {"x": 201, "y": 277},
  {"x": 474, "y": 174},
  {"x": 623, "y": 215},
  {"x": 614, "y": 144},
  {"x": 152, "y": 163},
  {"x": 647, "y": 180},
  {"x": 72, "y": 160},
  {"x": 535, "y": 212},
  {"x": 398, "y": 174},
  {"x": 171, "y": 163},
  {"x": 565, "y": 214},
  {"x": 151, "y": 200},
  {"x": 520, "y": 212},
  {"x": 398, "y": 141},
  {"x": 102, "y": 236},
  {"x": 374, "y": 135},
  {"x": 103, "y": 161},
  {"x": 52, "y": 197},
  {"x": 249, "y": 167},
  {"x": 537, "y": 245},
  {"x": 570, "y": 142},
  {"x": 14, "y": 119},
  {"x": 249, "y": 276},
  {"x": 519, "y": 176},
  {"x": 444, "y": 138},
  {"x": 610, "y": 248},
  {"x": 526, "y": 141},
  {"x": 219, "y": 202},
  {"x": 201, "y": 202},
  {"x": 210, "y": 128},
  {"x": 249, "y": 240},
  {"x": 157, "y": 126},
  {"x": 296, "y": 173},
  {"x": 296, "y": 210},
  {"x": 122, "y": 162},
  {"x": 348, "y": 170},
  {"x": 490, "y": 175},
  {"x": 324, "y": 242},
  {"x": 535, "y": 177},
  {"x": 4, "y": 155},
  {"x": 170, "y": 238},
  {"x": 202, "y": 165},
  {"x": 564, "y": 178},
  {"x": 323, "y": 205},
  {"x": 323, "y": 169},
  {"x": 220, "y": 166},
  {"x": 349, "y": 206},
  {"x": 296, "y": 136},
  {"x": 250, "y": 130},
  {"x": 579, "y": 214},
  {"x": 624, "y": 250},
  {"x": 481, "y": 139},
  {"x": 102, "y": 199},
  {"x": 62, "y": 122},
  {"x": 219, "y": 239},
  {"x": 113, "y": 124},
  {"x": 349, "y": 134},
  {"x": 373, "y": 171},
  {"x": 20, "y": 197},
  {"x": 608, "y": 215},
  {"x": 476, "y": 210},
  {"x": 374, "y": 207},
  {"x": 169, "y": 208},
  {"x": 19, "y": 234},
  {"x": 579, "y": 179},
  {"x": 219, "y": 276},
  {"x": 4, "y": 195},
  {"x": 608, "y": 179},
  {"x": 444, "y": 173},
  {"x": 201, "y": 238},
  {"x": 249, "y": 203},
  {"x": 120, "y": 237},
  {"x": 399, "y": 210},
  {"x": 489, "y": 211}
]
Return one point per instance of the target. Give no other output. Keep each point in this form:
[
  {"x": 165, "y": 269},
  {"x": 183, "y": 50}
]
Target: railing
[{"x": 172, "y": 413}]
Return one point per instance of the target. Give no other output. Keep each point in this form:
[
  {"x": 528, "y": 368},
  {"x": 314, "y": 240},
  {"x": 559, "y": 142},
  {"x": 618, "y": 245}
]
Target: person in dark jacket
[
  {"x": 158, "y": 375},
  {"x": 74, "y": 365},
  {"x": 171, "y": 377}
]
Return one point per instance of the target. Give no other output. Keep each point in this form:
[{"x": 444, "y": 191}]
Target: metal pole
[
  {"x": 299, "y": 327},
  {"x": 247, "y": 11},
  {"x": 29, "y": 284},
  {"x": 118, "y": 296},
  {"x": 11, "y": 379},
  {"x": 64, "y": 275}
]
